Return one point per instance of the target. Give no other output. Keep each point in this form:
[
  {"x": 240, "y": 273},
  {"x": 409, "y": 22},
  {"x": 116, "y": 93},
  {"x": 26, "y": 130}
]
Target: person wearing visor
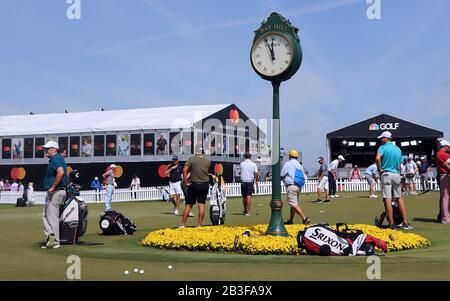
[{"x": 55, "y": 182}]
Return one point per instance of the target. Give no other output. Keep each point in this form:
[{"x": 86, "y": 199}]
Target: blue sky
[{"x": 142, "y": 53}]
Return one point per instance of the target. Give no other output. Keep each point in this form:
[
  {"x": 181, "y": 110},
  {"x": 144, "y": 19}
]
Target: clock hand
[{"x": 272, "y": 51}]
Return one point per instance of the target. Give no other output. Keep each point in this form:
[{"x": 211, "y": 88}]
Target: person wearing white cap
[
  {"x": 322, "y": 181},
  {"x": 411, "y": 172},
  {"x": 332, "y": 175},
  {"x": 55, "y": 182},
  {"x": 388, "y": 159},
  {"x": 443, "y": 169},
  {"x": 109, "y": 178}
]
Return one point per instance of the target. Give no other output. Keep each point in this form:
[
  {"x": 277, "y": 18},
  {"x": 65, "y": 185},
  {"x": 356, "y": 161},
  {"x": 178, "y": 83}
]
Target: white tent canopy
[{"x": 106, "y": 121}]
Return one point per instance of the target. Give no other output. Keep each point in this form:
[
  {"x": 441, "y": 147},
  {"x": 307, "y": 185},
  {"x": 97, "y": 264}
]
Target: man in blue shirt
[
  {"x": 293, "y": 191},
  {"x": 388, "y": 160},
  {"x": 55, "y": 182},
  {"x": 97, "y": 187}
]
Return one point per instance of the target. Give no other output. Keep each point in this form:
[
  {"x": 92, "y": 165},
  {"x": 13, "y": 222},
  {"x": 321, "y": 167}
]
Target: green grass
[{"x": 23, "y": 259}]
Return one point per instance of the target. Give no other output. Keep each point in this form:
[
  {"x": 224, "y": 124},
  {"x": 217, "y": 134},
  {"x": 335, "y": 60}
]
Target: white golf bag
[
  {"x": 73, "y": 216},
  {"x": 218, "y": 204}
]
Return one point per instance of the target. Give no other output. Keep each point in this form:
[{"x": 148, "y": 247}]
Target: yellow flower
[{"x": 215, "y": 238}]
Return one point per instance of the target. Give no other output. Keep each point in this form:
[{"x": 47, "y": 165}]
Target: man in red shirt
[{"x": 443, "y": 169}]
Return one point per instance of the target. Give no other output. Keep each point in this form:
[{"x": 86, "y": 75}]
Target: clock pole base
[{"x": 276, "y": 224}]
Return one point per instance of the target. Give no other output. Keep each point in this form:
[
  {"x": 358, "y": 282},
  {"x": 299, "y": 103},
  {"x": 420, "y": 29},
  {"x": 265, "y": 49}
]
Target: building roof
[
  {"x": 373, "y": 127},
  {"x": 106, "y": 121}
]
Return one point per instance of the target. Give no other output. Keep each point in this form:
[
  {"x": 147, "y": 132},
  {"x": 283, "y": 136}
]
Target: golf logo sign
[{"x": 388, "y": 126}]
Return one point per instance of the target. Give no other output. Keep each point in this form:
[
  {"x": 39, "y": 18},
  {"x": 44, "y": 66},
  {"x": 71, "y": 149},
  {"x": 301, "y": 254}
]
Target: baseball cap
[
  {"x": 113, "y": 166},
  {"x": 51, "y": 144},
  {"x": 175, "y": 158},
  {"x": 293, "y": 153},
  {"x": 341, "y": 157},
  {"x": 444, "y": 143},
  {"x": 320, "y": 158},
  {"x": 385, "y": 134},
  {"x": 96, "y": 178}
]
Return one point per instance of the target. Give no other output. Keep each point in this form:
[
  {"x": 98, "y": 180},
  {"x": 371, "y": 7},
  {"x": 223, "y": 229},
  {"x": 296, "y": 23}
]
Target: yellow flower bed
[{"x": 222, "y": 238}]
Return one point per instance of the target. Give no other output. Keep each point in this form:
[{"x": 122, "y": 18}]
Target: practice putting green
[{"x": 23, "y": 259}]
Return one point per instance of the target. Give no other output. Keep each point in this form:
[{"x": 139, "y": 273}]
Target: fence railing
[{"x": 231, "y": 189}]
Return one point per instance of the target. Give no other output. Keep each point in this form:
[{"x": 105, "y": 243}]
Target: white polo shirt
[
  {"x": 248, "y": 170},
  {"x": 333, "y": 165}
]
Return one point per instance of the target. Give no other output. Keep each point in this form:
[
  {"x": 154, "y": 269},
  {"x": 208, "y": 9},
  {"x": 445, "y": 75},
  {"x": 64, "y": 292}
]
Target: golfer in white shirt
[{"x": 249, "y": 176}]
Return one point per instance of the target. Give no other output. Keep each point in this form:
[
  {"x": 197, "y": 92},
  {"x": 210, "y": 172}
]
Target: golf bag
[
  {"x": 218, "y": 204},
  {"x": 73, "y": 215},
  {"x": 115, "y": 223},
  {"x": 21, "y": 202},
  {"x": 398, "y": 220},
  {"x": 164, "y": 193},
  {"x": 323, "y": 240}
]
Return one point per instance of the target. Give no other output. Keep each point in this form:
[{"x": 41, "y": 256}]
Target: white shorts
[
  {"x": 323, "y": 184},
  {"x": 175, "y": 188}
]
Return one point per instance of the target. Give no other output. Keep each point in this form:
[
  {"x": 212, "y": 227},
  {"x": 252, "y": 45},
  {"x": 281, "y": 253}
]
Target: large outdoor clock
[{"x": 276, "y": 54}]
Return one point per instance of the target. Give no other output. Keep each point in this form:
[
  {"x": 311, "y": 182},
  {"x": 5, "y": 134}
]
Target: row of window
[{"x": 126, "y": 145}]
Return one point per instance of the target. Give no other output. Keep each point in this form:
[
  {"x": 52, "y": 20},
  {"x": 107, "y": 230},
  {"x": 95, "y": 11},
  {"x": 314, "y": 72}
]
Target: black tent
[
  {"x": 373, "y": 127},
  {"x": 359, "y": 143}
]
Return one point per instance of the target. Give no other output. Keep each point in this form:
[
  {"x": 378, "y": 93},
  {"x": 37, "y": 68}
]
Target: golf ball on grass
[
  {"x": 169, "y": 267},
  {"x": 136, "y": 270},
  {"x": 141, "y": 272},
  {"x": 126, "y": 273}
]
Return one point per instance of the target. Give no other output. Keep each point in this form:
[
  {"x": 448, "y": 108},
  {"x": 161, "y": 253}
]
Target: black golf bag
[
  {"x": 115, "y": 223},
  {"x": 218, "y": 204},
  {"x": 323, "y": 240},
  {"x": 398, "y": 220},
  {"x": 73, "y": 216}
]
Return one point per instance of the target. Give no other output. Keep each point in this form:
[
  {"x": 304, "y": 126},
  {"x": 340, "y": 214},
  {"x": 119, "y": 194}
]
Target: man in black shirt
[
  {"x": 424, "y": 169},
  {"x": 161, "y": 145},
  {"x": 174, "y": 172}
]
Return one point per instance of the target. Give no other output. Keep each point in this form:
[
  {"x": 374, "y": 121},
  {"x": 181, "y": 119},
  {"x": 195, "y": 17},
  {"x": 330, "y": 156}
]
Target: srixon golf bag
[
  {"x": 323, "y": 240},
  {"x": 218, "y": 204},
  {"x": 73, "y": 215},
  {"x": 115, "y": 223}
]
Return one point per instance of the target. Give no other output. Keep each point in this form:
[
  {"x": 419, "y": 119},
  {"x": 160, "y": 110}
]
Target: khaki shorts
[
  {"x": 323, "y": 184},
  {"x": 391, "y": 185},
  {"x": 293, "y": 192}
]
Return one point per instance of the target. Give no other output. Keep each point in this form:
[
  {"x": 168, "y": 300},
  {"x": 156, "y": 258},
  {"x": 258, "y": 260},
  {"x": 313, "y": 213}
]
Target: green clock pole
[{"x": 276, "y": 225}]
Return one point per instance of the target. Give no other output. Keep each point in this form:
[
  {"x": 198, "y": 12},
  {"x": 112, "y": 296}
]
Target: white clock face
[{"x": 272, "y": 54}]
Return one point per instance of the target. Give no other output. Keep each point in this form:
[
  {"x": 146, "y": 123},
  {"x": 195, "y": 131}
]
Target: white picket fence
[{"x": 232, "y": 190}]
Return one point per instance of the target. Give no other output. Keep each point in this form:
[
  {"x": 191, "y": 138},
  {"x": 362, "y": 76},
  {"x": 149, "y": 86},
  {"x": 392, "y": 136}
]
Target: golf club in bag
[
  {"x": 73, "y": 214},
  {"x": 218, "y": 203}
]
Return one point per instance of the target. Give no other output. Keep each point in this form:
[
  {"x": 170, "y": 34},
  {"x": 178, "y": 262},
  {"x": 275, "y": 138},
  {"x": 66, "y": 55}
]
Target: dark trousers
[{"x": 332, "y": 184}]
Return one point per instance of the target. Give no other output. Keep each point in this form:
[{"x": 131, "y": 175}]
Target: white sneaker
[
  {"x": 336, "y": 196},
  {"x": 175, "y": 212},
  {"x": 191, "y": 214},
  {"x": 332, "y": 196},
  {"x": 373, "y": 196}
]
